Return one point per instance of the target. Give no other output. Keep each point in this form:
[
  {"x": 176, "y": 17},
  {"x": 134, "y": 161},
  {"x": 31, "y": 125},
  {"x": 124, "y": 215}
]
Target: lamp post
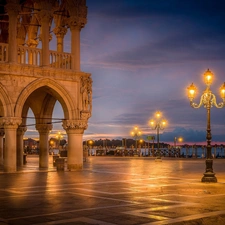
[
  {"x": 180, "y": 139},
  {"x": 208, "y": 100},
  {"x": 136, "y": 133},
  {"x": 59, "y": 136},
  {"x": 140, "y": 143},
  {"x": 158, "y": 124},
  {"x": 89, "y": 145}
]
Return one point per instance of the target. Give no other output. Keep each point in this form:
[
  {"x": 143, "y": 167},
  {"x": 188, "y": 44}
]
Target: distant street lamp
[
  {"x": 180, "y": 139},
  {"x": 59, "y": 136},
  {"x": 89, "y": 143},
  {"x": 208, "y": 100},
  {"x": 158, "y": 124},
  {"x": 136, "y": 133}
]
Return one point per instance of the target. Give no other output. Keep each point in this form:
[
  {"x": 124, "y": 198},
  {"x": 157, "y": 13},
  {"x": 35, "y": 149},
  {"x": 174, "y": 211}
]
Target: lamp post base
[
  {"x": 209, "y": 178},
  {"x": 209, "y": 175}
]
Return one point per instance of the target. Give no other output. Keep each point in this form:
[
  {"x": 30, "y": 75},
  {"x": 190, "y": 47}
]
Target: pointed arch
[
  {"x": 6, "y": 106},
  {"x": 61, "y": 95}
]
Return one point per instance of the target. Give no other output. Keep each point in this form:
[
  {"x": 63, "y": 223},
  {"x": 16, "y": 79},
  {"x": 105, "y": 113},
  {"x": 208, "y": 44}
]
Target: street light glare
[
  {"x": 191, "y": 91},
  {"x": 163, "y": 122},
  {"x": 208, "y": 77},
  {"x": 222, "y": 91},
  {"x": 158, "y": 114},
  {"x": 152, "y": 122}
]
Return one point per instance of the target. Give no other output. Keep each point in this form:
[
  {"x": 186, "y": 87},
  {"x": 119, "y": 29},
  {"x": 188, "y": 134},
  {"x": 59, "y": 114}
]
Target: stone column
[
  {"x": 45, "y": 16},
  {"x": 32, "y": 54},
  {"x": 43, "y": 130},
  {"x": 77, "y": 21},
  {"x": 2, "y": 133},
  {"x": 75, "y": 130},
  {"x": 75, "y": 47},
  {"x": 60, "y": 32},
  {"x": 10, "y": 125},
  {"x": 12, "y": 9},
  {"x": 19, "y": 142}
]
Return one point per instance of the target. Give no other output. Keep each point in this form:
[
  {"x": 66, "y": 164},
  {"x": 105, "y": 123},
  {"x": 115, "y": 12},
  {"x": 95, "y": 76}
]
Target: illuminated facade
[{"x": 35, "y": 78}]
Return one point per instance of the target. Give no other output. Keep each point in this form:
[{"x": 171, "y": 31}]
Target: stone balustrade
[
  {"x": 3, "y": 52},
  {"x": 33, "y": 56}
]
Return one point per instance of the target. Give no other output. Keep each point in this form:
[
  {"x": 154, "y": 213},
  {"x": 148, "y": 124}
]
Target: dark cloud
[
  {"x": 185, "y": 31},
  {"x": 160, "y": 8},
  {"x": 189, "y": 135}
]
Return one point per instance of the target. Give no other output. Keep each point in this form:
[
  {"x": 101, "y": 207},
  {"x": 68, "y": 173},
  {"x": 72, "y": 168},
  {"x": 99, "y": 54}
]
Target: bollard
[
  {"x": 24, "y": 159},
  {"x": 54, "y": 159},
  {"x": 60, "y": 163}
]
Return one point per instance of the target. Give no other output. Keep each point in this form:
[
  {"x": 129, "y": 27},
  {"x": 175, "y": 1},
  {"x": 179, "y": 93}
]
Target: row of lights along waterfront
[{"x": 158, "y": 123}]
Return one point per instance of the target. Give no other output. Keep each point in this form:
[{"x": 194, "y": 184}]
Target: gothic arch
[
  {"x": 62, "y": 96},
  {"x": 6, "y": 108}
]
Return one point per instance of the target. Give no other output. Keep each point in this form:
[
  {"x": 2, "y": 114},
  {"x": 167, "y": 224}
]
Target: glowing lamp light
[
  {"x": 222, "y": 91},
  {"x": 180, "y": 139},
  {"x": 191, "y": 91},
  {"x": 164, "y": 123},
  {"x": 152, "y": 122},
  {"x": 158, "y": 114},
  {"x": 208, "y": 77}
]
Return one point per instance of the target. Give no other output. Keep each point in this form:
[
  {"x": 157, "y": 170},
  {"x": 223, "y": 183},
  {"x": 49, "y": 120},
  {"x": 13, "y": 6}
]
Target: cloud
[
  {"x": 171, "y": 32},
  {"x": 189, "y": 135}
]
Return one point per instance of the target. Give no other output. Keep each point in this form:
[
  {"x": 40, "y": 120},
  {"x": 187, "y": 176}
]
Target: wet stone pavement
[{"x": 114, "y": 190}]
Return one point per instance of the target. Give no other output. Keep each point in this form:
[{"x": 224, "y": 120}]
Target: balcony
[{"x": 33, "y": 56}]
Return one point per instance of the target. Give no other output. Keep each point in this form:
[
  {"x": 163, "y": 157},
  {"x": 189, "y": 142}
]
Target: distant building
[{"x": 30, "y": 145}]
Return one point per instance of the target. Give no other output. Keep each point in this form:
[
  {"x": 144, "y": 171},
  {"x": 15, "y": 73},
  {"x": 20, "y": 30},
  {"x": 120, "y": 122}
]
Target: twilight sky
[{"x": 142, "y": 55}]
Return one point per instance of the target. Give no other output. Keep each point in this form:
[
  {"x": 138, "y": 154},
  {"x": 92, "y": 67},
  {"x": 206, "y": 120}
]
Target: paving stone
[{"x": 114, "y": 191}]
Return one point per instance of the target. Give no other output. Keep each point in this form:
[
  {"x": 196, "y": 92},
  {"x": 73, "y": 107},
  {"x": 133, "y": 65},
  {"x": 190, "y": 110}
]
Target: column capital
[
  {"x": 12, "y": 8},
  {"x": 32, "y": 43},
  {"x": 78, "y": 14},
  {"x": 21, "y": 130},
  {"x": 10, "y": 122},
  {"x": 60, "y": 31},
  {"x": 44, "y": 128},
  {"x": 76, "y": 23},
  {"x": 44, "y": 15},
  {"x": 75, "y": 125}
]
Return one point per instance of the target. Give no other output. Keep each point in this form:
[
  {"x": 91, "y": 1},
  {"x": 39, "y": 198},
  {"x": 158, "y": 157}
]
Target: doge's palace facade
[{"x": 35, "y": 78}]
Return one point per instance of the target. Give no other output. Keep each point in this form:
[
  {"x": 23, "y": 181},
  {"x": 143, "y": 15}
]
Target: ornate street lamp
[
  {"x": 158, "y": 124},
  {"x": 136, "y": 133},
  {"x": 208, "y": 100}
]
